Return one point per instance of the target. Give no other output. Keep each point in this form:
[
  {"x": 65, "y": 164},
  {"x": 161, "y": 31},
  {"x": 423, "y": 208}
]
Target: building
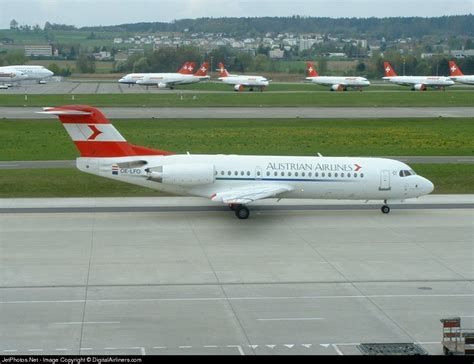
[
  {"x": 276, "y": 53},
  {"x": 39, "y": 50}
]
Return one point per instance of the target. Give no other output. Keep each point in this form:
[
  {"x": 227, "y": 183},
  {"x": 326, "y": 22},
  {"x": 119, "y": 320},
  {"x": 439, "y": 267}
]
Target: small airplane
[
  {"x": 29, "y": 72},
  {"x": 336, "y": 83},
  {"x": 234, "y": 180},
  {"x": 417, "y": 83},
  {"x": 169, "y": 80},
  {"x": 458, "y": 76},
  {"x": 241, "y": 81},
  {"x": 132, "y": 78}
]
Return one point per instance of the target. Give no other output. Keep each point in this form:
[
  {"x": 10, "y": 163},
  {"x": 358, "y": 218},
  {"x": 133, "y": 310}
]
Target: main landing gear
[
  {"x": 241, "y": 211},
  {"x": 385, "y": 208}
]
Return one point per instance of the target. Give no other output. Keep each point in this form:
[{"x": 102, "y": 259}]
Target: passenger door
[{"x": 384, "y": 180}]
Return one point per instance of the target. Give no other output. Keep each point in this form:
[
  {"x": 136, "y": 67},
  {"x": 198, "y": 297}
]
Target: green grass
[
  {"x": 255, "y": 99},
  {"x": 447, "y": 178},
  {"x": 47, "y": 139}
]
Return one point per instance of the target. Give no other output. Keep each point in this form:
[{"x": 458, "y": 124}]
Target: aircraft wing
[{"x": 250, "y": 193}]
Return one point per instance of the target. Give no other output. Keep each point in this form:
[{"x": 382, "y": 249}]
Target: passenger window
[
  {"x": 303, "y": 174},
  {"x": 361, "y": 175},
  {"x": 236, "y": 173},
  {"x": 329, "y": 174},
  {"x": 335, "y": 174},
  {"x": 242, "y": 173},
  {"x": 222, "y": 173},
  {"x": 355, "y": 174},
  {"x": 342, "y": 174},
  {"x": 348, "y": 175},
  {"x": 275, "y": 174},
  {"x": 268, "y": 174},
  {"x": 322, "y": 174},
  {"x": 310, "y": 174},
  {"x": 282, "y": 174},
  {"x": 258, "y": 173},
  {"x": 229, "y": 173},
  {"x": 296, "y": 174},
  {"x": 289, "y": 174}
]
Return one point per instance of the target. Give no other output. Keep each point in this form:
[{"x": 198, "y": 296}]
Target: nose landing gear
[{"x": 385, "y": 208}]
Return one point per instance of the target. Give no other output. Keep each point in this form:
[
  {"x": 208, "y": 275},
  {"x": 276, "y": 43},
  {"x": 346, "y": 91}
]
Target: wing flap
[{"x": 250, "y": 193}]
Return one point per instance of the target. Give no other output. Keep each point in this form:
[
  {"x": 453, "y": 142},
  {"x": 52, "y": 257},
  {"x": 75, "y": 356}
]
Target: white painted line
[
  {"x": 35, "y": 349},
  {"x": 159, "y": 347},
  {"x": 10, "y": 351},
  {"x": 185, "y": 347},
  {"x": 9, "y": 165},
  {"x": 337, "y": 349},
  {"x": 61, "y": 349},
  {"x": 253, "y": 346},
  {"x": 246, "y": 298},
  {"x": 307, "y": 346},
  {"x": 110, "y": 348},
  {"x": 142, "y": 351},
  {"x": 325, "y": 345},
  {"x": 87, "y": 323},
  {"x": 238, "y": 348},
  {"x": 289, "y": 346},
  {"x": 210, "y": 346},
  {"x": 292, "y": 319},
  {"x": 270, "y": 346}
]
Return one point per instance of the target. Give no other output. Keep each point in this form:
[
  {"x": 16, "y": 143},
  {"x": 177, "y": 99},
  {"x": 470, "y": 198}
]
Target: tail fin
[
  {"x": 311, "y": 70},
  {"x": 202, "y": 71},
  {"x": 222, "y": 71},
  {"x": 389, "y": 72},
  {"x": 454, "y": 69},
  {"x": 187, "y": 68},
  {"x": 94, "y": 135}
]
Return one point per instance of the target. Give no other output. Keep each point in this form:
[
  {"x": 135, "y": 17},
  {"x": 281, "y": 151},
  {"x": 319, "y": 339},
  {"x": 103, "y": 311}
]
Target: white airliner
[
  {"x": 458, "y": 76},
  {"x": 8, "y": 77},
  {"x": 417, "y": 83},
  {"x": 169, "y": 80},
  {"x": 336, "y": 83},
  {"x": 29, "y": 72},
  {"x": 232, "y": 179},
  {"x": 132, "y": 78},
  {"x": 241, "y": 81}
]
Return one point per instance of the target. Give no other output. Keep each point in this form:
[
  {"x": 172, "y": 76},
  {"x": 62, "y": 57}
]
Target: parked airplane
[
  {"x": 242, "y": 81},
  {"x": 232, "y": 179},
  {"x": 132, "y": 78},
  {"x": 417, "y": 83},
  {"x": 336, "y": 83},
  {"x": 169, "y": 80},
  {"x": 8, "y": 77},
  {"x": 30, "y": 72},
  {"x": 458, "y": 76}
]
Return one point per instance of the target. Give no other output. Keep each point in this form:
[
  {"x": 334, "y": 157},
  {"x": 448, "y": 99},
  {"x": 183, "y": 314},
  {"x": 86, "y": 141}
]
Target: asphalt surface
[
  {"x": 255, "y": 112},
  {"x": 282, "y": 282}
]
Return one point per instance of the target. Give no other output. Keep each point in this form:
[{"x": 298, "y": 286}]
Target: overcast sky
[{"x": 110, "y": 12}]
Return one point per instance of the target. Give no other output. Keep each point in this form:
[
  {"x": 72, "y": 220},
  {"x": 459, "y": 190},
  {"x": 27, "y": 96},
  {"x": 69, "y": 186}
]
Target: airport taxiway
[
  {"x": 286, "y": 281},
  {"x": 255, "y": 112}
]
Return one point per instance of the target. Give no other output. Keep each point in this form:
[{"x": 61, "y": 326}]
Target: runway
[
  {"x": 256, "y": 112},
  {"x": 283, "y": 282}
]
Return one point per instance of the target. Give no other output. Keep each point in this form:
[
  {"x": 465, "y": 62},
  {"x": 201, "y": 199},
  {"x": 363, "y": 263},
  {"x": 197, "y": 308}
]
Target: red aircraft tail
[
  {"x": 454, "y": 69},
  {"x": 311, "y": 70},
  {"x": 187, "y": 68},
  {"x": 94, "y": 135},
  {"x": 222, "y": 71},
  {"x": 389, "y": 72},
  {"x": 202, "y": 71}
]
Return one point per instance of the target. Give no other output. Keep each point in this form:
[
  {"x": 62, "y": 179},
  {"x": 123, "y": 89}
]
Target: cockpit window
[{"x": 405, "y": 173}]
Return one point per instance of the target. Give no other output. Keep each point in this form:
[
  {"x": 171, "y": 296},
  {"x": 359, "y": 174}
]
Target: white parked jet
[
  {"x": 132, "y": 78},
  {"x": 417, "y": 83},
  {"x": 336, "y": 83},
  {"x": 241, "y": 81},
  {"x": 29, "y": 72},
  {"x": 232, "y": 179},
  {"x": 169, "y": 80},
  {"x": 458, "y": 76},
  {"x": 7, "y": 77}
]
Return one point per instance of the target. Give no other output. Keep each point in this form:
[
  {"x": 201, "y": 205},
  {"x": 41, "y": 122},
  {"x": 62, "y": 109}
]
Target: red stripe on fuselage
[{"x": 114, "y": 149}]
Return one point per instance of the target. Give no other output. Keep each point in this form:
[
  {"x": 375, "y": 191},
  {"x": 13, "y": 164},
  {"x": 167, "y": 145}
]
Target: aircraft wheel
[
  {"x": 242, "y": 212},
  {"x": 385, "y": 209}
]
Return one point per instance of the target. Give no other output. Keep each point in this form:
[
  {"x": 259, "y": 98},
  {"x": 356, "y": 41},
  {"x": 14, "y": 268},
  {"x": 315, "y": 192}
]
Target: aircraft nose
[
  {"x": 50, "y": 73},
  {"x": 427, "y": 186}
]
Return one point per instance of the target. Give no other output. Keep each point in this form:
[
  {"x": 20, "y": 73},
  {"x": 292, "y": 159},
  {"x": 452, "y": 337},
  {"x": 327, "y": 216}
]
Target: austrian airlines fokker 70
[
  {"x": 417, "y": 83},
  {"x": 458, "y": 76},
  {"x": 336, "y": 83},
  {"x": 232, "y": 179}
]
